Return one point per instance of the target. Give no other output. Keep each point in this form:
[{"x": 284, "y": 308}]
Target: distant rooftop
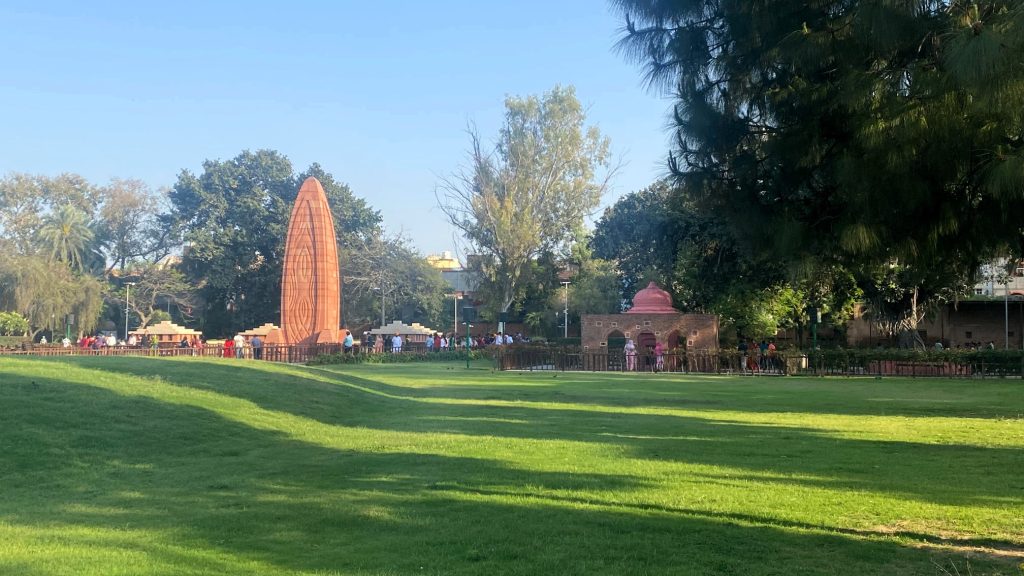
[{"x": 444, "y": 261}]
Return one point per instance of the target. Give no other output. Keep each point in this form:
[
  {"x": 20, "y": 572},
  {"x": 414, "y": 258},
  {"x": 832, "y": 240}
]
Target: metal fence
[
  {"x": 697, "y": 361},
  {"x": 973, "y": 364},
  {"x": 948, "y": 364},
  {"x": 289, "y": 354},
  {"x": 956, "y": 364}
]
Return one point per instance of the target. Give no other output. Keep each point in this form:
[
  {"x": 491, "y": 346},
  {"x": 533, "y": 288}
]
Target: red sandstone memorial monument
[{"x": 310, "y": 288}]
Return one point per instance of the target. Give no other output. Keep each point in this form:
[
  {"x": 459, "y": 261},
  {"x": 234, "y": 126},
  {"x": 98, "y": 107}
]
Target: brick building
[{"x": 651, "y": 319}]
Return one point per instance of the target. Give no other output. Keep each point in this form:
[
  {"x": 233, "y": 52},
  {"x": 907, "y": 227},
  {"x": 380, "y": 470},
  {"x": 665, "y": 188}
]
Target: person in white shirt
[
  {"x": 111, "y": 341},
  {"x": 630, "y": 350},
  {"x": 132, "y": 341},
  {"x": 65, "y": 342},
  {"x": 508, "y": 339},
  {"x": 444, "y": 343},
  {"x": 396, "y": 343},
  {"x": 239, "y": 346}
]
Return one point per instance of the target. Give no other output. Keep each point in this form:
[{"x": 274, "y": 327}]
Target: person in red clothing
[
  {"x": 229, "y": 348},
  {"x": 752, "y": 363},
  {"x": 659, "y": 355}
]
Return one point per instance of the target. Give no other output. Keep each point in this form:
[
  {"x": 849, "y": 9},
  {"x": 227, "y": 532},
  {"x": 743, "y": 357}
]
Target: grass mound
[{"x": 186, "y": 466}]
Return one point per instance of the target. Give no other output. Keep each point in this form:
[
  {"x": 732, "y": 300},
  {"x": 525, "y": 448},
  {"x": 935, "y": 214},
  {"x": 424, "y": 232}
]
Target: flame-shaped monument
[{"x": 310, "y": 288}]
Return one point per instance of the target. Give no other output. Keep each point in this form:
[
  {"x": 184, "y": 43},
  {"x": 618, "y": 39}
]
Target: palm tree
[{"x": 66, "y": 235}]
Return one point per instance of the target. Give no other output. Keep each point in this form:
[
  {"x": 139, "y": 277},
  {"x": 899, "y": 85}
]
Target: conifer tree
[{"x": 856, "y": 132}]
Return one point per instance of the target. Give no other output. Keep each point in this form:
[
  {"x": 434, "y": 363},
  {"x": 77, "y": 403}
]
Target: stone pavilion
[{"x": 652, "y": 319}]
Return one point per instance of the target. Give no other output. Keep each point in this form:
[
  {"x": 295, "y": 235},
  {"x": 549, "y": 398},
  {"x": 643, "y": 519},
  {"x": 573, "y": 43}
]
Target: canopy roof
[
  {"x": 398, "y": 327},
  {"x": 262, "y": 331},
  {"x": 165, "y": 328}
]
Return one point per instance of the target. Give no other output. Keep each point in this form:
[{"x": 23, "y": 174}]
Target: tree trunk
[{"x": 909, "y": 336}]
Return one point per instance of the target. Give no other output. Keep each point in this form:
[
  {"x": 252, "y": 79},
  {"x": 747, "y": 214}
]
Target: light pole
[
  {"x": 127, "y": 292},
  {"x": 456, "y": 296},
  {"x": 1006, "y": 312},
  {"x": 565, "y": 312}
]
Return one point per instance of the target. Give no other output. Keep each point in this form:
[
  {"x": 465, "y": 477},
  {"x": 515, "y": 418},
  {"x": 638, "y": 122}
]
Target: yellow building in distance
[{"x": 444, "y": 262}]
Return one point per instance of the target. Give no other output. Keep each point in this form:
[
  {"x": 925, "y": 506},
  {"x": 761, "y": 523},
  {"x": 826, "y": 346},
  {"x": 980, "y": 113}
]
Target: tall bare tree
[{"x": 531, "y": 191}]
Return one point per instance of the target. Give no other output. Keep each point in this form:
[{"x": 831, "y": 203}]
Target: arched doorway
[
  {"x": 645, "y": 342},
  {"x": 674, "y": 359},
  {"x": 616, "y": 356}
]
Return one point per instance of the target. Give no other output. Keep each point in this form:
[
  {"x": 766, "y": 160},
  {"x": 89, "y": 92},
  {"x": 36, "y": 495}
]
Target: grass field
[{"x": 158, "y": 466}]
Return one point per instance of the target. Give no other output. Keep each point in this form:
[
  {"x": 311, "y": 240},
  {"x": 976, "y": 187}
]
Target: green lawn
[{"x": 158, "y": 466}]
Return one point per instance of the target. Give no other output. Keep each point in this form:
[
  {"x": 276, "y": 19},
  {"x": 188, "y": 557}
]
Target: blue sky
[{"x": 378, "y": 93}]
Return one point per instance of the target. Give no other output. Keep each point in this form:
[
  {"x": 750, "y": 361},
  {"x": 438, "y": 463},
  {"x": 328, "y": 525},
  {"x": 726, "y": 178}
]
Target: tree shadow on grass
[
  {"x": 220, "y": 495},
  {"x": 938, "y": 473},
  {"x": 833, "y": 396},
  {"x": 849, "y": 397}
]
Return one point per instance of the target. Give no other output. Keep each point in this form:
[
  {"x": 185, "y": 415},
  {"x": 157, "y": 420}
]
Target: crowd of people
[
  {"x": 756, "y": 357},
  {"x": 653, "y": 356},
  {"x": 971, "y": 346},
  {"x": 236, "y": 347},
  {"x": 240, "y": 346},
  {"x": 437, "y": 342},
  {"x": 100, "y": 341}
]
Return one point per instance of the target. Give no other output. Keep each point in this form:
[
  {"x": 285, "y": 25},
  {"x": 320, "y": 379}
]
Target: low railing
[
  {"x": 943, "y": 364},
  {"x": 273, "y": 353},
  {"x": 932, "y": 363},
  {"x": 695, "y": 361},
  {"x": 948, "y": 364}
]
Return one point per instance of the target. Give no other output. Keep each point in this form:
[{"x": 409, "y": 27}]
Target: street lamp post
[
  {"x": 127, "y": 292},
  {"x": 565, "y": 312},
  {"x": 1006, "y": 312},
  {"x": 456, "y": 296}
]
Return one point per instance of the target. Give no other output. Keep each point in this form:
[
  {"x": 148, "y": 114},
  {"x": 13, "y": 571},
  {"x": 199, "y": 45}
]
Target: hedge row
[
  {"x": 402, "y": 358},
  {"x": 957, "y": 356}
]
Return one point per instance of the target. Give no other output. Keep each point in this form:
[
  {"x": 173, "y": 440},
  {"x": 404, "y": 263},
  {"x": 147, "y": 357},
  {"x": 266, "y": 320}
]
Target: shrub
[{"x": 12, "y": 324}]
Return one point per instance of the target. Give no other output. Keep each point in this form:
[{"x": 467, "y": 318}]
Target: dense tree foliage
[
  {"x": 13, "y": 324},
  {"x": 208, "y": 253},
  {"x": 527, "y": 195},
  {"x": 45, "y": 291},
  {"x": 233, "y": 219},
  {"x": 860, "y": 134},
  {"x": 131, "y": 225},
  {"x": 661, "y": 234},
  {"x": 640, "y": 233},
  {"x": 156, "y": 287},
  {"x": 66, "y": 236},
  {"x": 386, "y": 279},
  {"x": 51, "y": 256},
  {"x": 595, "y": 288},
  {"x": 29, "y": 200}
]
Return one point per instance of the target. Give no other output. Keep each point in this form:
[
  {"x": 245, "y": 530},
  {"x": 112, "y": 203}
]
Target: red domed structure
[
  {"x": 651, "y": 321},
  {"x": 652, "y": 300}
]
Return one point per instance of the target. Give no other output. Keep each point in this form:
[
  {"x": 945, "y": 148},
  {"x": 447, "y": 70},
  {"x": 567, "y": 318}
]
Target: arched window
[{"x": 616, "y": 340}]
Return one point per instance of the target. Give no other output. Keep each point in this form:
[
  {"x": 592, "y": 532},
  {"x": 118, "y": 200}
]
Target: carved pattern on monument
[{"x": 310, "y": 293}]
